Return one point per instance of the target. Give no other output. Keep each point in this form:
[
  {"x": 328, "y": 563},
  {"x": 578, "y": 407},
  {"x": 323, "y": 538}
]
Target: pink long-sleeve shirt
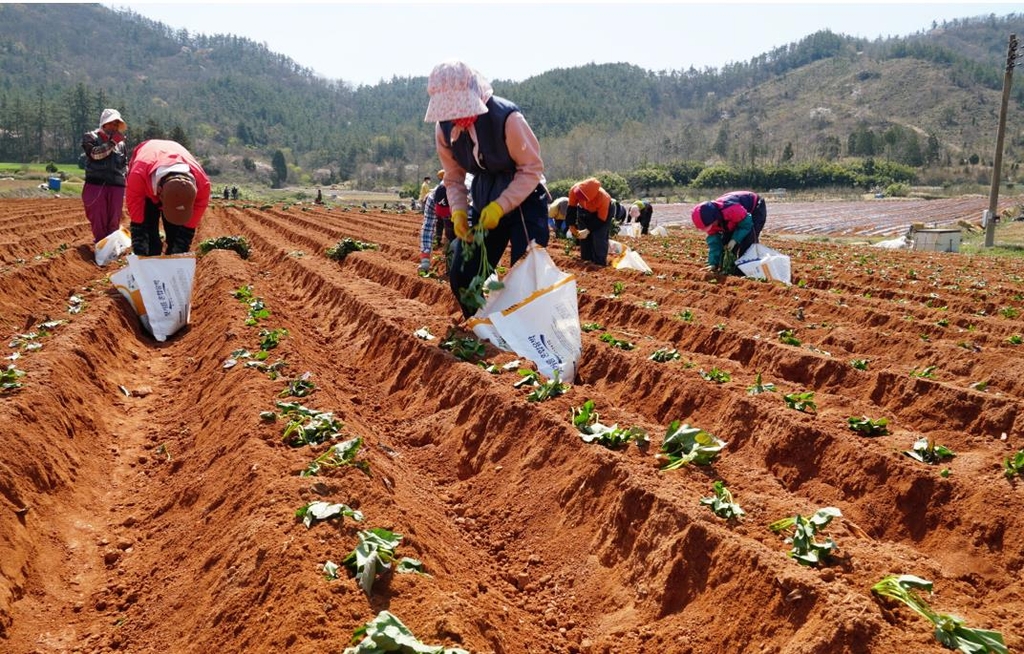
[{"x": 522, "y": 146}]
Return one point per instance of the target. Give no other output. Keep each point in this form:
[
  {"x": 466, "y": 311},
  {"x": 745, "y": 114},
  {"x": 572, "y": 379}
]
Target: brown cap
[{"x": 177, "y": 195}]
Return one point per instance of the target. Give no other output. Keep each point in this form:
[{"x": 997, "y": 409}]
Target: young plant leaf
[
  {"x": 386, "y": 633},
  {"x": 314, "y": 511},
  {"x": 684, "y": 444}
]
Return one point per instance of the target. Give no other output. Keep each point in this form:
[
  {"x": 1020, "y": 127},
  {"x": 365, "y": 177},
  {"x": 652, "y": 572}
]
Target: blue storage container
[{"x": 54, "y": 183}]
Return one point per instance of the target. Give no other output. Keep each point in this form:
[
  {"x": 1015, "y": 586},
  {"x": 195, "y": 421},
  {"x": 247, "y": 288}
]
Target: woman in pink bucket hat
[{"x": 487, "y": 136}]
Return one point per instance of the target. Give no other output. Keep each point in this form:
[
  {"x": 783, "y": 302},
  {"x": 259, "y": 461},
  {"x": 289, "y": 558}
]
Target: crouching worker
[
  {"x": 165, "y": 181},
  {"x": 641, "y": 211},
  {"x": 588, "y": 217},
  {"x": 733, "y": 223}
]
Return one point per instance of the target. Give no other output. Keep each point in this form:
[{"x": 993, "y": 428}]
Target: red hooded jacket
[{"x": 148, "y": 157}]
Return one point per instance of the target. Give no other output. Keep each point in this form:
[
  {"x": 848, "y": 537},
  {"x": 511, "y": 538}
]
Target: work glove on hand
[
  {"x": 117, "y": 137},
  {"x": 460, "y": 221},
  {"x": 491, "y": 214},
  {"x": 730, "y": 245},
  {"x": 582, "y": 234},
  {"x": 424, "y": 262}
]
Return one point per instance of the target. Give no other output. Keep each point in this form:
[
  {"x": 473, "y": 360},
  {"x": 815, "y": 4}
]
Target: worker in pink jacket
[{"x": 165, "y": 180}]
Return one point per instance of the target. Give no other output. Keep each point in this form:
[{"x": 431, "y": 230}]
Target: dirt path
[{"x": 164, "y": 520}]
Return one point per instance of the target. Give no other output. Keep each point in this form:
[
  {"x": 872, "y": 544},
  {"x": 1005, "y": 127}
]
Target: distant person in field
[
  {"x": 556, "y": 215},
  {"x": 106, "y": 168},
  {"x": 437, "y": 223},
  {"x": 165, "y": 181},
  {"x": 588, "y": 217},
  {"x": 425, "y": 189},
  {"x": 641, "y": 211},
  {"x": 733, "y": 223},
  {"x": 234, "y": 192},
  {"x": 484, "y": 135}
]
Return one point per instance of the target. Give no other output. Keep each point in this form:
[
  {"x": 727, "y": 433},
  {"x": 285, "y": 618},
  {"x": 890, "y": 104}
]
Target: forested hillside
[{"x": 929, "y": 101}]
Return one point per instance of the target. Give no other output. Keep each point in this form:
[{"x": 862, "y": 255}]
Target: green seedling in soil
[
  {"x": 926, "y": 451},
  {"x": 979, "y": 385},
  {"x": 307, "y": 426},
  {"x": 786, "y": 336},
  {"x": 806, "y": 550},
  {"x": 685, "y": 316},
  {"x": 1009, "y": 312},
  {"x": 684, "y": 444},
  {"x": 591, "y": 327},
  {"x": 346, "y": 246},
  {"x": 585, "y": 419},
  {"x": 760, "y": 387},
  {"x": 943, "y": 322},
  {"x": 299, "y": 387},
  {"x": 9, "y": 377},
  {"x": 615, "y": 342},
  {"x": 236, "y": 243},
  {"x": 273, "y": 370},
  {"x": 386, "y": 633},
  {"x": 648, "y": 304},
  {"x": 271, "y": 338},
  {"x": 722, "y": 503},
  {"x": 243, "y": 293},
  {"x": 315, "y": 511},
  {"x": 868, "y": 427},
  {"x": 542, "y": 390},
  {"x": 163, "y": 450},
  {"x": 1016, "y": 339},
  {"x": 859, "y": 364},
  {"x": 1014, "y": 466},
  {"x": 663, "y": 355},
  {"x": 949, "y": 629},
  {"x": 465, "y": 348},
  {"x": 716, "y": 375},
  {"x": 336, "y": 456},
  {"x": 801, "y": 401},
  {"x": 617, "y": 289},
  {"x": 927, "y": 373},
  {"x": 373, "y": 556}
]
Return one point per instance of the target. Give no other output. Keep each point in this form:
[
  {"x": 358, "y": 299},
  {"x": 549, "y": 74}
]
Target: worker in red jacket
[{"x": 165, "y": 180}]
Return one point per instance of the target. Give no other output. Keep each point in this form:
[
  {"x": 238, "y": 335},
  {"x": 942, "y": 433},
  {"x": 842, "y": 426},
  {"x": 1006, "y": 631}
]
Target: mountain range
[{"x": 930, "y": 100}]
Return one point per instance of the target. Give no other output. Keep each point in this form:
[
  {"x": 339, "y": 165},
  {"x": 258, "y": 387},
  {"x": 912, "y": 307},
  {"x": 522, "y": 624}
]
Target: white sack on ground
[{"x": 160, "y": 291}]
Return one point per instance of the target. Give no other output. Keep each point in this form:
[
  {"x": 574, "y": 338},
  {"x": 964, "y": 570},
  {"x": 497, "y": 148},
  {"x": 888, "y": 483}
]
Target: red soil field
[{"x": 145, "y": 506}]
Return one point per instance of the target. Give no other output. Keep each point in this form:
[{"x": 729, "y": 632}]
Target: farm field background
[{"x": 147, "y": 506}]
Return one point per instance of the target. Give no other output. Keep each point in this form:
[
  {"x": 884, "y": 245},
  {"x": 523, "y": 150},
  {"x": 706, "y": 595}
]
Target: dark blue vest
[{"x": 494, "y": 171}]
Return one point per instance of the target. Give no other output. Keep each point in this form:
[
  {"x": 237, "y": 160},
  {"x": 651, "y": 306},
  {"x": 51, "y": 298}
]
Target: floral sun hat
[{"x": 456, "y": 91}]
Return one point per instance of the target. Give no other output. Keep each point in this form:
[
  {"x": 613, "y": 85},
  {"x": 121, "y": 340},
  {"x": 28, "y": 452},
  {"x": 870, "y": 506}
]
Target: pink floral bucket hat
[{"x": 456, "y": 91}]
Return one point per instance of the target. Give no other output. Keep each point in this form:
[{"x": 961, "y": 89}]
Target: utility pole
[{"x": 997, "y": 161}]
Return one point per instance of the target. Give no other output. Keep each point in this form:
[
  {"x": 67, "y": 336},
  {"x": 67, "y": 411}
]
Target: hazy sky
[{"x": 363, "y": 43}]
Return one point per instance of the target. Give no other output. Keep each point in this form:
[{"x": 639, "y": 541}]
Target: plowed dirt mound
[{"x": 145, "y": 506}]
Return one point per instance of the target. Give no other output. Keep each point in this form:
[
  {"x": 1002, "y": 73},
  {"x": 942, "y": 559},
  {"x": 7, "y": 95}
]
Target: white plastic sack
[
  {"x": 630, "y": 229},
  {"x": 898, "y": 243},
  {"x": 112, "y": 246},
  {"x": 615, "y": 248},
  {"x": 630, "y": 260},
  {"x": 535, "y": 315},
  {"x": 762, "y": 262},
  {"x": 160, "y": 291},
  {"x": 659, "y": 230}
]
